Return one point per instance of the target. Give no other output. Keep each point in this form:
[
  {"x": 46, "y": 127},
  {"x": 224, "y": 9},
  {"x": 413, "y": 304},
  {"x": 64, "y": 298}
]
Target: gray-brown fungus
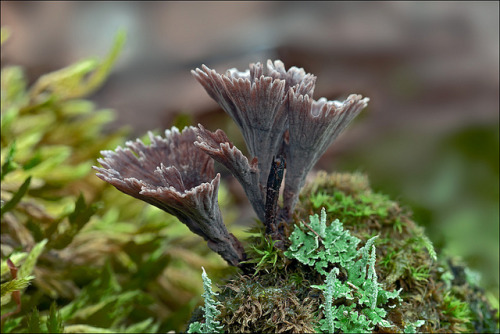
[
  {"x": 283, "y": 126},
  {"x": 277, "y": 115},
  {"x": 176, "y": 176}
]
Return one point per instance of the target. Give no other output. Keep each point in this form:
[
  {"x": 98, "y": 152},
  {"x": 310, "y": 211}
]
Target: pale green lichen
[
  {"x": 337, "y": 244},
  {"x": 412, "y": 327},
  {"x": 211, "y": 324},
  {"x": 325, "y": 246}
]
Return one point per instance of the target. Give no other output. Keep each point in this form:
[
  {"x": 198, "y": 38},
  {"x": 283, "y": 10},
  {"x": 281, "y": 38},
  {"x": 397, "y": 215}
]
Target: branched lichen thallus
[{"x": 284, "y": 129}]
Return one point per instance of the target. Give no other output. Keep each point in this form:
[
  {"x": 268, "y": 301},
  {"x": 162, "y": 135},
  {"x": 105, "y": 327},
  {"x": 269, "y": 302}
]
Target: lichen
[
  {"x": 210, "y": 311},
  {"x": 325, "y": 246}
]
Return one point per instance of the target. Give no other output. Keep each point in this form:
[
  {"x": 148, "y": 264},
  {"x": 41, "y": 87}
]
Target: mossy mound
[
  {"x": 434, "y": 289},
  {"x": 436, "y": 295}
]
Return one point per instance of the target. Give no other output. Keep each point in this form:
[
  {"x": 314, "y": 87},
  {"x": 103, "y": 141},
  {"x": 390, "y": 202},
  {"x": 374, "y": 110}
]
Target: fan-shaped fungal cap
[
  {"x": 295, "y": 77},
  {"x": 177, "y": 177},
  {"x": 256, "y": 101},
  {"x": 313, "y": 126}
]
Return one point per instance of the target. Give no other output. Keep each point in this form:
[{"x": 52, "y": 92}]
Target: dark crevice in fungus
[{"x": 272, "y": 194}]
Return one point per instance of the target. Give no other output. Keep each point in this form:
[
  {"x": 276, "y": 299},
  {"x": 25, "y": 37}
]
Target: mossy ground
[{"x": 279, "y": 297}]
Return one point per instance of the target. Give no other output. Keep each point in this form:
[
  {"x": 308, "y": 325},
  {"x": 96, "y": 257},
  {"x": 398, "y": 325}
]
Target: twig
[{"x": 313, "y": 231}]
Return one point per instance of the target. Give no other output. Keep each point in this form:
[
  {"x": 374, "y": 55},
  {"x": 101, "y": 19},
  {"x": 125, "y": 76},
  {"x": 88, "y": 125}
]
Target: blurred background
[{"x": 429, "y": 137}]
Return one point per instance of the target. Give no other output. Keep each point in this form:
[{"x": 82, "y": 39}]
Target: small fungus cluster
[{"x": 286, "y": 132}]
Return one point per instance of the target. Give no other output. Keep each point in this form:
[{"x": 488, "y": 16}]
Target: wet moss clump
[
  {"x": 435, "y": 294},
  {"x": 253, "y": 305}
]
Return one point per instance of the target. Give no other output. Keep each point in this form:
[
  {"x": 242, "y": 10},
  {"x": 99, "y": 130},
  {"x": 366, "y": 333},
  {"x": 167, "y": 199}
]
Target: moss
[
  {"x": 254, "y": 304},
  {"x": 146, "y": 264},
  {"x": 436, "y": 295}
]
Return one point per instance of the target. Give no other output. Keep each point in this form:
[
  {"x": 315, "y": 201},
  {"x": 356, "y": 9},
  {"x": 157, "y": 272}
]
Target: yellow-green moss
[{"x": 111, "y": 263}]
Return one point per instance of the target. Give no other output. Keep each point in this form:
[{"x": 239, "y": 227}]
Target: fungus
[
  {"x": 255, "y": 100},
  {"x": 284, "y": 128},
  {"x": 217, "y": 145},
  {"x": 176, "y": 176},
  {"x": 277, "y": 116},
  {"x": 312, "y": 127}
]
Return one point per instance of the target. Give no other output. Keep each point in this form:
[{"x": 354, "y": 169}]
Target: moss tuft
[{"x": 253, "y": 305}]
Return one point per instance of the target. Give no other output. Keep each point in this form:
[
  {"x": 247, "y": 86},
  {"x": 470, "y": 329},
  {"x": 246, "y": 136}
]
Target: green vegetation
[
  {"x": 451, "y": 182},
  {"x": 261, "y": 250},
  {"x": 210, "y": 312},
  {"x": 78, "y": 256},
  {"x": 405, "y": 257},
  {"x": 332, "y": 245},
  {"x": 395, "y": 282}
]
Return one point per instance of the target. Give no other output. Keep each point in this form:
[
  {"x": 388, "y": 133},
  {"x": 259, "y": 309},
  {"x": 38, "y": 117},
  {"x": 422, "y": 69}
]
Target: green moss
[
  {"x": 406, "y": 258},
  {"x": 262, "y": 252},
  {"x": 51, "y": 135},
  {"x": 435, "y": 295}
]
